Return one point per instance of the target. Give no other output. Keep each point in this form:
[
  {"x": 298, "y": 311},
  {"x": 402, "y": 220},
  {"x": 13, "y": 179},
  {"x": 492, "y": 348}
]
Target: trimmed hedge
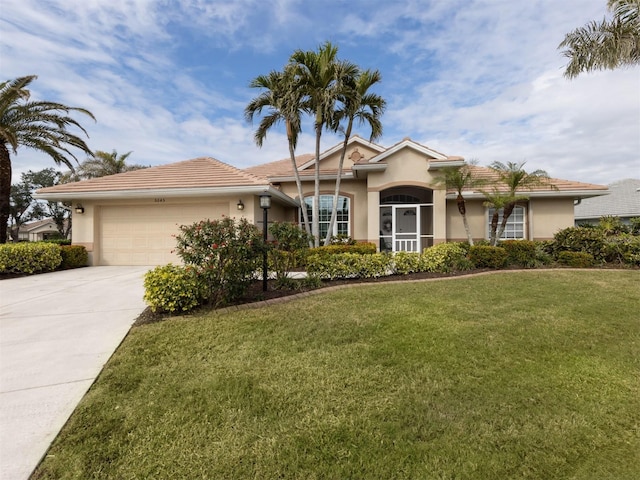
[
  {"x": 73, "y": 256},
  {"x": 445, "y": 258},
  {"x": 348, "y": 265},
  {"x": 576, "y": 259},
  {"x": 521, "y": 253},
  {"x": 26, "y": 257},
  {"x": 358, "y": 248},
  {"x": 488, "y": 257}
]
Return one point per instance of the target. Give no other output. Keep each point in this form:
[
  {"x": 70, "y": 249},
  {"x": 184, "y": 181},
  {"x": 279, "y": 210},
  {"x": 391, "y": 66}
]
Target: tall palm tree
[
  {"x": 607, "y": 45},
  {"x": 515, "y": 178},
  {"x": 320, "y": 75},
  {"x": 39, "y": 125},
  {"x": 104, "y": 163},
  {"x": 461, "y": 179},
  {"x": 282, "y": 99},
  {"x": 358, "y": 105}
]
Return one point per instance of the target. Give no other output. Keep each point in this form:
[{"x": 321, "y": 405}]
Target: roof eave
[
  {"x": 168, "y": 193},
  {"x": 545, "y": 194}
]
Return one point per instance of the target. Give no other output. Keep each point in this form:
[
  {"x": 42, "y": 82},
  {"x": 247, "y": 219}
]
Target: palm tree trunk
[
  {"x": 506, "y": 213},
  {"x": 5, "y": 190},
  {"x": 316, "y": 189},
  {"x": 465, "y": 222},
  {"x": 303, "y": 205},
  {"x": 336, "y": 194},
  {"x": 494, "y": 227}
]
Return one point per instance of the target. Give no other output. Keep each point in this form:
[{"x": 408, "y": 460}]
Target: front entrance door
[{"x": 400, "y": 228}]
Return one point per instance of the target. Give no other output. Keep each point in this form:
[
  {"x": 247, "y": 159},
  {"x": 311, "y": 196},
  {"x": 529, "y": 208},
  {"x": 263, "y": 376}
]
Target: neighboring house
[
  {"x": 131, "y": 218},
  {"x": 623, "y": 202},
  {"x": 38, "y": 230}
]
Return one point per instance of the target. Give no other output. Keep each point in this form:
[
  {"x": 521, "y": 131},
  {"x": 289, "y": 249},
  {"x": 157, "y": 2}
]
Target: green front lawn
[{"x": 515, "y": 375}]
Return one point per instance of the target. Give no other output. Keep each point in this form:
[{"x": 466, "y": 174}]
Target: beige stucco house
[{"x": 389, "y": 196}]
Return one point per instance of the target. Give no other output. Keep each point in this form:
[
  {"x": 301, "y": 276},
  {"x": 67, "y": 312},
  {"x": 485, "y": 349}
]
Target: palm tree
[
  {"x": 461, "y": 179},
  {"x": 39, "y": 125},
  {"x": 358, "y": 104},
  {"x": 606, "y": 45},
  {"x": 320, "y": 76},
  {"x": 103, "y": 164},
  {"x": 282, "y": 99},
  {"x": 515, "y": 178}
]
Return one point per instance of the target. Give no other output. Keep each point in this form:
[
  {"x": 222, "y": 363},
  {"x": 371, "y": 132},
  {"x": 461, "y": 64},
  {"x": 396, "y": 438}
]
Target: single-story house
[
  {"x": 623, "y": 202},
  {"x": 37, "y": 231},
  {"x": 130, "y": 218}
]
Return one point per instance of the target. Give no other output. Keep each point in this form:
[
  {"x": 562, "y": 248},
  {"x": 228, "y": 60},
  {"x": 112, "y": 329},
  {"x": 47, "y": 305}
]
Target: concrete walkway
[{"x": 57, "y": 330}]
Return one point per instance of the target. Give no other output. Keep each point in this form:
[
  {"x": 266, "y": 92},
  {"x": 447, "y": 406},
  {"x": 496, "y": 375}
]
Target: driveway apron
[{"x": 57, "y": 330}]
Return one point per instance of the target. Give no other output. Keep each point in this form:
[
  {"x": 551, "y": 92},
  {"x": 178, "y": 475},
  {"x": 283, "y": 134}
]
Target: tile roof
[
  {"x": 196, "y": 173},
  {"x": 279, "y": 167},
  {"x": 491, "y": 176},
  {"x": 623, "y": 201}
]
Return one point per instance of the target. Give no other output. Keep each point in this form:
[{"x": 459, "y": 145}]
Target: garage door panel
[{"x": 144, "y": 235}]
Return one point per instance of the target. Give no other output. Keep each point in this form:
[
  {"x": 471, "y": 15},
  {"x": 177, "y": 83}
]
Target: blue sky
[{"x": 168, "y": 79}]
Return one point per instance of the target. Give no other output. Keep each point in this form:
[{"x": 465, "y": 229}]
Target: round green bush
[{"x": 172, "y": 288}]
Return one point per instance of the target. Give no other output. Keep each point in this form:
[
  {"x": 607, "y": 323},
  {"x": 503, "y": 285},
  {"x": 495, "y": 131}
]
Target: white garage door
[{"x": 143, "y": 234}]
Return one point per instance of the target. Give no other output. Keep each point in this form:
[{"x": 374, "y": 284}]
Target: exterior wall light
[
  {"x": 240, "y": 205},
  {"x": 79, "y": 209}
]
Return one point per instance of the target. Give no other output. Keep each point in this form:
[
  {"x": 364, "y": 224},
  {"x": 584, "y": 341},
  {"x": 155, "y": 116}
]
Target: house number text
[{"x": 158, "y": 200}]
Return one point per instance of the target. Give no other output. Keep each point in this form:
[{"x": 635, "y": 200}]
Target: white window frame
[
  {"x": 328, "y": 201},
  {"x": 517, "y": 222}
]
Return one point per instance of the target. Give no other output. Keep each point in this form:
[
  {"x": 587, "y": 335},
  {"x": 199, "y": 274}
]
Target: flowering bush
[{"x": 225, "y": 254}]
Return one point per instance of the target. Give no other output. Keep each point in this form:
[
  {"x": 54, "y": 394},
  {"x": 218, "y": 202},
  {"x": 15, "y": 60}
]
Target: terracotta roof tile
[
  {"x": 491, "y": 176},
  {"x": 279, "y": 167},
  {"x": 197, "y": 173}
]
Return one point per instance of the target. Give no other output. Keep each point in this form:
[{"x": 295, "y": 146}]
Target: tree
[
  {"x": 22, "y": 207},
  {"x": 39, "y": 125},
  {"x": 358, "y": 104},
  {"x": 513, "y": 176},
  {"x": 101, "y": 164},
  {"x": 320, "y": 76},
  {"x": 282, "y": 99},
  {"x": 58, "y": 211},
  {"x": 609, "y": 44},
  {"x": 461, "y": 179}
]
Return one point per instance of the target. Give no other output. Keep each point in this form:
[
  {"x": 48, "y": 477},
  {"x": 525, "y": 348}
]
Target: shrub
[
  {"x": 226, "y": 256},
  {"x": 287, "y": 251},
  {"x": 634, "y": 225},
  {"x": 348, "y": 265},
  {"x": 58, "y": 241},
  {"x": 623, "y": 249},
  {"x": 73, "y": 256},
  {"x": 172, "y": 288},
  {"x": 29, "y": 257},
  {"x": 576, "y": 259},
  {"x": 521, "y": 253},
  {"x": 611, "y": 225},
  {"x": 359, "y": 248},
  {"x": 403, "y": 263},
  {"x": 488, "y": 257},
  {"x": 580, "y": 239},
  {"x": 445, "y": 257}
]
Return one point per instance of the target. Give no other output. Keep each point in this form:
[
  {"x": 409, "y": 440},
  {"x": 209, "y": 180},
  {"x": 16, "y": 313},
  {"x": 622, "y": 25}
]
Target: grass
[{"x": 516, "y": 375}]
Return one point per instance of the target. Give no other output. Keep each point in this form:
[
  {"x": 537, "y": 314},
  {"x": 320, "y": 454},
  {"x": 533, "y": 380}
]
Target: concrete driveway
[{"x": 57, "y": 330}]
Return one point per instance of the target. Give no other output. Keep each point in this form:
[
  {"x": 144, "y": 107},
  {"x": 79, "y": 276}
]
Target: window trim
[
  {"x": 343, "y": 222},
  {"x": 510, "y": 222}
]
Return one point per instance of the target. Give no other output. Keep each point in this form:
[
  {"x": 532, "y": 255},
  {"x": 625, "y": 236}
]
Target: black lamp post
[{"x": 265, "y": 204}]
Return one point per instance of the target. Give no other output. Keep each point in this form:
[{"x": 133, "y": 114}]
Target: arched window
[
  {"x": 342, "y": 226},
  {"x": 515, "y": 228}
]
